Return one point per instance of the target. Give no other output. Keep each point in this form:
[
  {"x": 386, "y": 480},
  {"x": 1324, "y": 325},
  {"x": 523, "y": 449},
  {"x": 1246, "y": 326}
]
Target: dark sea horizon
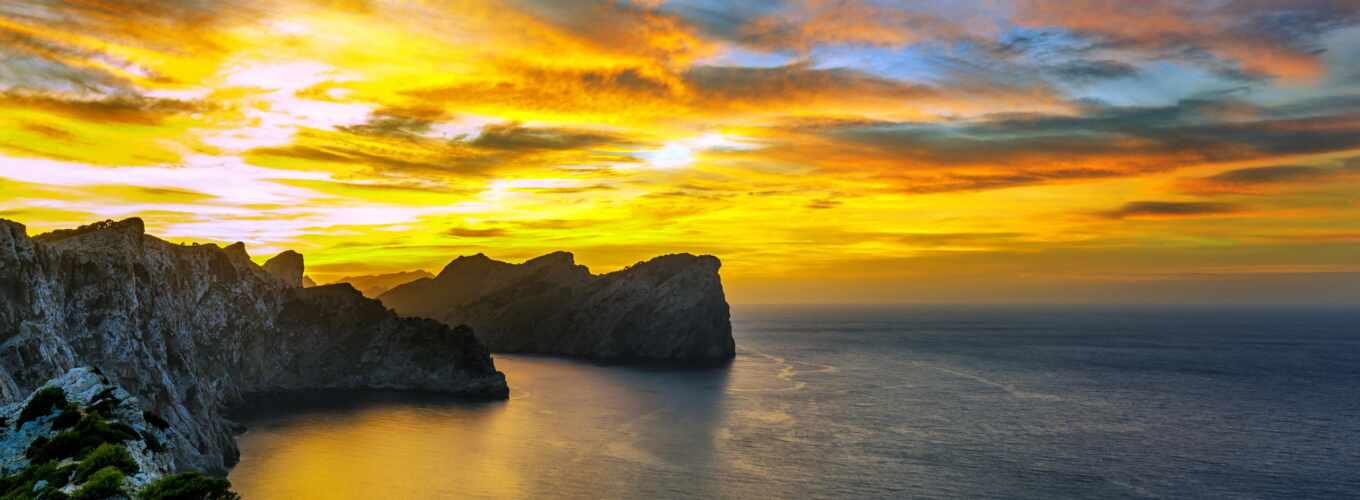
[{"x": 921, "y": 401}]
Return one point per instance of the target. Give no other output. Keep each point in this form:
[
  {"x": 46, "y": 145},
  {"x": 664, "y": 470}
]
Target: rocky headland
[
  {"x": 669, "y": 309},
  {"x": 189, "y": 330}
]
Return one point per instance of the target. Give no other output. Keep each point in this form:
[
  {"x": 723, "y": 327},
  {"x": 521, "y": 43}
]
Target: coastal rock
[
  {"x": 670, "y": 309},
  {"x": 192, "y": 329}
]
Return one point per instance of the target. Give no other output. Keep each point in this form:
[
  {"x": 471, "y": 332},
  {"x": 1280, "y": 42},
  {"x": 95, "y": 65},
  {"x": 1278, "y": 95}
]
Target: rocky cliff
[
  {"x": 192, "y": 329},
  {"x": 670, "y": 308}
]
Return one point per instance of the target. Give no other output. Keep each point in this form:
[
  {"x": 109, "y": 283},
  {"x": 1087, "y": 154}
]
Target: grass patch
[
  {"x": 188, "y": 486},
  {"x": 106, "y": 455},
  {"x": 104, "y": 483},
  {"x": 88, "y": 434},
  {"x": 66, "y": 419},
  {"x": 46, "y": 401},
  {"x": 21, "y": 484}
]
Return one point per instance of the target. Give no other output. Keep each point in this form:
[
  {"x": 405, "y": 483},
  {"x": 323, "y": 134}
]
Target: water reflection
[
  {"x": 921, "y": 403},
  {"x": 639, "y": 433}
]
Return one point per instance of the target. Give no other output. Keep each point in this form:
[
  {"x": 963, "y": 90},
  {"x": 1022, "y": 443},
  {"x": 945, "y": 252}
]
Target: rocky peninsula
[{"x": 668, "y": 309}]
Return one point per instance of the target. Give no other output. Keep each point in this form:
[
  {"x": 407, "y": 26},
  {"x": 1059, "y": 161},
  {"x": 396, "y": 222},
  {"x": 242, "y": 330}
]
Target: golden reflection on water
[
  {"x": 564, "y": 420},
  {"x": 369, "y": 454}
]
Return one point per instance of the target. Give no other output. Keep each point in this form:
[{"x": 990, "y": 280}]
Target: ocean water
[{"x": 933, "y": 402}]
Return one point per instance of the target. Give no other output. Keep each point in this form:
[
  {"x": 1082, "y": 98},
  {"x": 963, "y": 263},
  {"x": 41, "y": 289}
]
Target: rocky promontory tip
[{"x": 669, "y": 309}]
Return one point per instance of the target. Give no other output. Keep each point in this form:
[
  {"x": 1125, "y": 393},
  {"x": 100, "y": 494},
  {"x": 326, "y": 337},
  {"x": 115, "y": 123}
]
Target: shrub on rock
[
  {"x": 188, "y": 486},
  {"x": 106, "y": 455},
  {"x": 104, "y": 483},
  {"x": 42, "y": 404}
]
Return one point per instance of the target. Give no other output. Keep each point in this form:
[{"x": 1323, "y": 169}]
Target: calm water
[{"x": 873, "y": 403}]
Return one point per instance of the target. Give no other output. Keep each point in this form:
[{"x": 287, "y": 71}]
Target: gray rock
[
  {"x": 84, "y": 387},
  {"x": 192, "y": 329},
  {"x": 670, "y": 308}
]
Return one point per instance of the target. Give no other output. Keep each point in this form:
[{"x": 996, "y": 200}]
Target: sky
[{"x": 827, "y": 151}]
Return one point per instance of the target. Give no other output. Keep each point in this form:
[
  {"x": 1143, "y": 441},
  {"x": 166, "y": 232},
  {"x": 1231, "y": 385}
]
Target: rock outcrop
[
  {"x": 83, "y": 395},
  {"x": 192, "y": 329},
  {"x": 375, "y": 285},
  {"x": 669, "y": 309},
  {"x": 287, "y": 267}
]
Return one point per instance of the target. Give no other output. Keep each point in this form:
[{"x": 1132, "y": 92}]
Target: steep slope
[
  {"x": 670, "y": 308},
  {"x": 374, "y": 285},
  {"x": 191, "y": 329}
]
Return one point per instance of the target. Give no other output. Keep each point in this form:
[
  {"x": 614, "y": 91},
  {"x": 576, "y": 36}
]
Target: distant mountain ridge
[
  {"x": 191, "y": 329},
  {"x": 374, "y": 285},
  {"x": 671, "y": 308}
]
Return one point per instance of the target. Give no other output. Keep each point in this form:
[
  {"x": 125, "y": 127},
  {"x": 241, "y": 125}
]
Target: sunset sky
[{"x": 826, "y": 151}]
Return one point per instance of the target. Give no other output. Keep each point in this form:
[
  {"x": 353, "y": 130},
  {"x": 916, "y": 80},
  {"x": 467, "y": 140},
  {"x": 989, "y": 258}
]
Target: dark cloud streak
[
  {"x": 515, "y": 137},
  {"x": 129, "y": 109},
  {"x": 1170, "y": 209},
  {"x": 1271, "y": 175}
]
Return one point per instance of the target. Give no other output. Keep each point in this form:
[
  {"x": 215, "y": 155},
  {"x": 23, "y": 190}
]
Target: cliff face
[
  {"x": 670, "y": 308},
  {"x": 192, "y": 329}
]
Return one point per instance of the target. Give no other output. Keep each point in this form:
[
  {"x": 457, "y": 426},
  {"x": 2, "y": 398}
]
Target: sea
[{"x": 860, "y": 402}]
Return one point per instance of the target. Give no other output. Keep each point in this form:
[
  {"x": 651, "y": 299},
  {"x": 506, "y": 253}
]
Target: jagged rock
[
  {"x": 307, "y": 282},
  {"x": 191, "y": 329},
  {"x": 378, "y": 284},
  {"x": 670, "y": 308},
  {"x": 286, "y": 266}
]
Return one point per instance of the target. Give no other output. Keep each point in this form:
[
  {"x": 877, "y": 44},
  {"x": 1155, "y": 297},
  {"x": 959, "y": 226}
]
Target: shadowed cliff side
[
  {"x": 669, "y": 309},
  {"x": 191, "y": 329},
  {"x": 374, "y": 285},
  {"x": 287, "y": 266}
]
